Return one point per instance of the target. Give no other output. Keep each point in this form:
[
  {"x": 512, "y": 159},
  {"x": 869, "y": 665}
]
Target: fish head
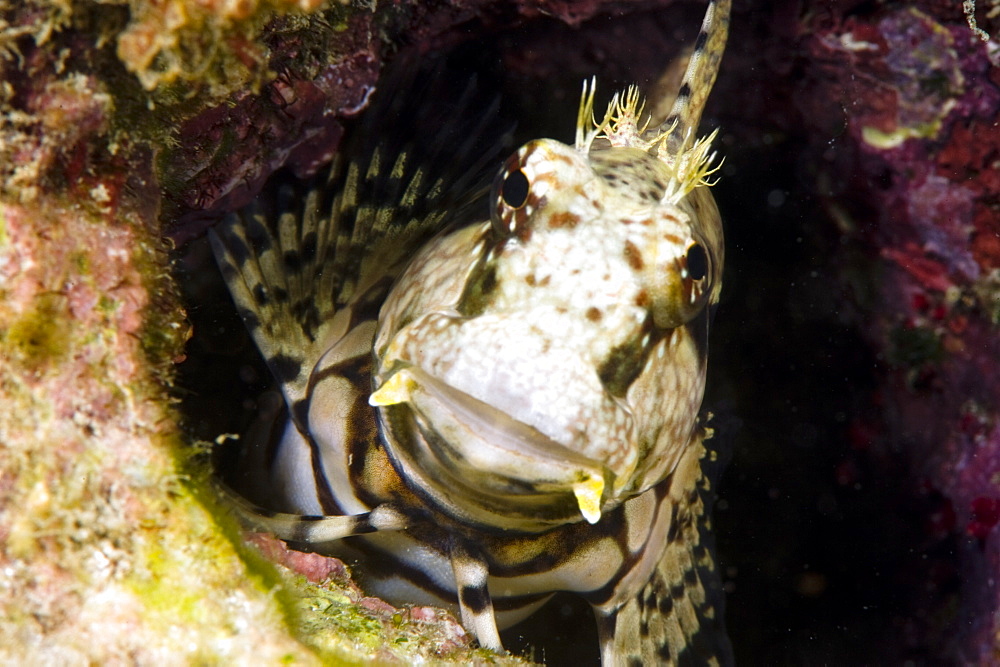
[{"x": 547, "y": 364}]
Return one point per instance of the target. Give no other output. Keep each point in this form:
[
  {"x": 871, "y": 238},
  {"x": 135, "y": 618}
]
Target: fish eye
[
  {"x": 514, "y": 189},
  {"x": 697, "y": 262}
]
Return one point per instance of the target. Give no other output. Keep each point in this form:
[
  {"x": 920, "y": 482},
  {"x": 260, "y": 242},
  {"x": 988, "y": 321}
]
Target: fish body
[{"x": 508, "y": 407}]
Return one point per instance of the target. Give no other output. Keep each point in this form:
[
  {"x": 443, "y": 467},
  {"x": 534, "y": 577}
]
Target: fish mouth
[{"x": 482, "y": 463}]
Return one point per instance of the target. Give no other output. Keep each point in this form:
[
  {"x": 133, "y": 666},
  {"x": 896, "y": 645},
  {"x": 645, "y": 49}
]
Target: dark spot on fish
[
  {"x": 250, "y": 319},
  {"x": 594, "y": 314},
  {"x": 257, "y": 234},
  {"x": 292, "y": 261},
  {"x": 697, "y": 328},
  {"x": 564, "y": 219},
  {"x": 618, "y": 182},
  {"x": 489, "y": 280},
  {"x": 699, "y": 44},
  {"x": 666, "y": 605},
  {"x": 545, "y": 281},
  {"x": 349, "y": 211},
  {"x": 664, "y": 654},
  {"x": 285, "y": 368},
  {"x": 362, "y": 526},
  {"x": 622, "y": 366},
  {"x": 691, "y": 578},
  {"x": 642, "y": 299},
  {"x": 530, "y": 279},
  {"x": 300, "y": 409},
  {"x": 677, "y": 592},
  {"x": 478, "y": 290},
  {"x": 260, "y": 295},
  {"x": 238, "y": 249},
  {"x": 633, "y": 256},
  {"x": 476, "y": 598},
  {"x": 672, "y": 530},
  {"x": 307, "y": 314},
  {"x": 684, "y": 92}
]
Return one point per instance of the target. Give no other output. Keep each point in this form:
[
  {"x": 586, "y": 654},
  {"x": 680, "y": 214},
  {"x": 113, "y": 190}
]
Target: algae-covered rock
[
  {"x": 106, "y": 554},
  {"x": 113, "y": 547}
]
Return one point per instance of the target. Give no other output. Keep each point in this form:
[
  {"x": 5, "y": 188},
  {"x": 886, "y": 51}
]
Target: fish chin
[
  {"x": 458, "y": 441},
  {"x": 518, "y": 365}
]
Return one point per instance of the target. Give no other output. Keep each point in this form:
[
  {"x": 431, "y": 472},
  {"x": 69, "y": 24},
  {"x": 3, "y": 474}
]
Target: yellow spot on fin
[
  {"x": 588, "y": 496},
  {"x": 396, "y": 389}
]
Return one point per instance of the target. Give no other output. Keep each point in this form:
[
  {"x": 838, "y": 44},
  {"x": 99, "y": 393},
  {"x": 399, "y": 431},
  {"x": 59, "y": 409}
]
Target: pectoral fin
[{"x": 676, "y": 618}]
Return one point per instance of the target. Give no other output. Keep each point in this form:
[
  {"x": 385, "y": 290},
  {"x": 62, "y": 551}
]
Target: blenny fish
[{"x": 495, "y": 396}]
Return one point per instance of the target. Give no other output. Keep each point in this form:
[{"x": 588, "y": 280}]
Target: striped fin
[
  {"x": 436, "y": 169},
  {"x": 306, "y": 252},
  {"x": 677, "y": 616},
  {"x": 308, "y": 529},
  {"x": 699, "y": 78},
  {"x": 474, "y": 599},
  {"x": 271, "y": 255}
]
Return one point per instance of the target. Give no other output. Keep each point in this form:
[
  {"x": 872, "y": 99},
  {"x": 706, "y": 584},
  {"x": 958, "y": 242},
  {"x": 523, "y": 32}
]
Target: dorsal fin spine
[{"x": 699, "y": 77}]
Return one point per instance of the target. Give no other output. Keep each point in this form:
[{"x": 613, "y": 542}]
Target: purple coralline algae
[{"x": 921, "y": 107}]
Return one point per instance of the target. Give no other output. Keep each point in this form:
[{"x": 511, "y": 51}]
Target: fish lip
[{"x": 479, "y": 456}]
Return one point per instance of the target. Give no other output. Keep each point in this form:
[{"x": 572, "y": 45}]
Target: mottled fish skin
[{"x": 509, "y": 408}]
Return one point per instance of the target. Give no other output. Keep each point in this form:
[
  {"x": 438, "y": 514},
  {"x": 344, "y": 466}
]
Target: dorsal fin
[
  {"x": 270, "y": 255},
  {"x": 307, "y": 260},
  {"x": 699, "y": 78}
]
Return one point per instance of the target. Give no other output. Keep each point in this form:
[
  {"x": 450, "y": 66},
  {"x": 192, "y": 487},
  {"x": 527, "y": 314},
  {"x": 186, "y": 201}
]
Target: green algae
[{"x": 38, "y": 340}]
